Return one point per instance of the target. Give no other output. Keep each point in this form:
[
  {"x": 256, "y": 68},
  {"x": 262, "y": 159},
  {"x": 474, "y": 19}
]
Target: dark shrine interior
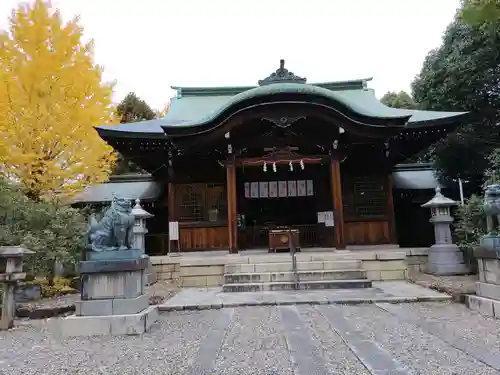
[{"x": 282, "y": 211}]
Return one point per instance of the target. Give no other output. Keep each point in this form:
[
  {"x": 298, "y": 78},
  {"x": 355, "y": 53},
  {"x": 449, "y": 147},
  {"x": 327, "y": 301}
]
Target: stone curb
[
  {"x": 44, "y": 312},
  {"x": 354, "y": 301},
  {"x": 55, "y": 311},
  {"x": 456, "y": 295}
]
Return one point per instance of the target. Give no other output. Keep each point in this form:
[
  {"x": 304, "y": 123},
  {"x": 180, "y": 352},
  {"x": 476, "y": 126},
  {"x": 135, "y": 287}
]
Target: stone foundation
[
  {"x": 113, "y": 298},
  {"x": 487, "y": 298},
  {"x": 416, "y": 260},
  {"x": 207, "y": 272},
  {"x": 127, "y": 324}
]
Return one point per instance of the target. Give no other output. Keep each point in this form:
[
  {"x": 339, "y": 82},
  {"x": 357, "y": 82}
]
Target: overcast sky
[{"x": 149, "y": 45}]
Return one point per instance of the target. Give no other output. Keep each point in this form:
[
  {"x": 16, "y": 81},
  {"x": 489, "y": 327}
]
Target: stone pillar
[
  {"x": 445, "y": 258},
  {"x": 11, "y": 271},
  {"x": 487, "y": 298},
  {"x": 140, "y": 232}
]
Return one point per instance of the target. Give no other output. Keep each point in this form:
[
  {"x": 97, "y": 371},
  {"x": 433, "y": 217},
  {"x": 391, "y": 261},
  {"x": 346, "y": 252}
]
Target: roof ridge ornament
[{"x": 282, "y": 75}]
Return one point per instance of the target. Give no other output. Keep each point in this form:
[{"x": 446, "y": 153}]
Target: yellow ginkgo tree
[{"x": 51, "y": 97}]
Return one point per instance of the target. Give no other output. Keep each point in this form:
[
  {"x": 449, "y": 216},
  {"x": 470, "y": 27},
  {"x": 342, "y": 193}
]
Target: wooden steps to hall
[{"x": 340, "y": 274}]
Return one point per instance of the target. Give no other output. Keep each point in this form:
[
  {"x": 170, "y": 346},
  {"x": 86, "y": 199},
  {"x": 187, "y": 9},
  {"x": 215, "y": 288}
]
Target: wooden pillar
[
  {"x": 338, "y": 207},
  {"x": 393, "y": 236},
  {"x": 172, "y": 212},
  {"x": 231, "y": 206},
  {"x": 171, "y": 202}
]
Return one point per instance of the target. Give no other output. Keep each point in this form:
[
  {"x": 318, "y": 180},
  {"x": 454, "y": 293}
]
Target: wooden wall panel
[
  {"x": 211, "y": 238},
  {"x": 367, "y": 233},
  {"x": 194, "y": 202}
]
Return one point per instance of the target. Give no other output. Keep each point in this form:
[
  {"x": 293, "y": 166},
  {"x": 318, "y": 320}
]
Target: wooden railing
[{"x": 257, "y": 236}]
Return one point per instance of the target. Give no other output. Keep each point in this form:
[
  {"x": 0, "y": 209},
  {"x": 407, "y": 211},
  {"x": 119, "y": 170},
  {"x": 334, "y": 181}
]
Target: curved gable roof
[{"x": 194, "y": 106}]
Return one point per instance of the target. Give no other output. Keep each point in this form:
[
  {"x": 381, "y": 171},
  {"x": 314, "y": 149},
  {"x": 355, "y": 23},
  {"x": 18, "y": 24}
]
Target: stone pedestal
[
  {"x": 113, "y": 298},
  {"x": 140, "y": 232},
  {"x": 490, "y": 242},
  {"x": 445, "y": 258},
  {"x": 487, "y": 298}
]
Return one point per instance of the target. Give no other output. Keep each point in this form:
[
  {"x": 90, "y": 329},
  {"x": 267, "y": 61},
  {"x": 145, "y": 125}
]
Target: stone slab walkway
[
  {"x": 428, "y": 338},
  {"x": 383, "y": 291}
]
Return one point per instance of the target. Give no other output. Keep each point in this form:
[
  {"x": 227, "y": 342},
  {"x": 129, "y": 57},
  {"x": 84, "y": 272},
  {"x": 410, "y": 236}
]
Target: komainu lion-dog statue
[
  {"x": 114, "y": 230},
  {"x": 491, "y": 207}
]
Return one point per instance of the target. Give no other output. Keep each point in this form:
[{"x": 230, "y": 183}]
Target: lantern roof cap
[
  {"x": 139, "y": 212},
  {"x": 439, "y": 200}
]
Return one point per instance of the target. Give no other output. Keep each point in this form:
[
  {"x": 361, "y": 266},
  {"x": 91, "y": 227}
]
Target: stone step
[
  {"x": 301, "y": 285},
  {"x": 254, "y": 277},
  {"x": 287, "y": 266}
]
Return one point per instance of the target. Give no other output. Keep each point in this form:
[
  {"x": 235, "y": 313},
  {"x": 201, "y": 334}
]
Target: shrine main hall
[{"x": 231, "y": 165}]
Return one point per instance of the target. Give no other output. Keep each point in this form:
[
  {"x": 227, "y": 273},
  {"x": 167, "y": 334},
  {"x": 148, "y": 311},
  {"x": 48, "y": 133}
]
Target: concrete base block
[
  {"x": 486, "y": 290},
  {"x": 446, "y": 269},
  {"x": 490, "y": 242},
  {"x": 94, "y": 307},
  {"x": 123, "y": 306},
  {"x": 149, "y": 273},
  {"x": 117, "y": 306},
  {"x": 446, "y": 260},
  {"x": 484, "y": 306},
  {"x": 114, "y": 255},
  {"x": 129, "y": 284},
  {"x": 151, "y": 277},
  {"x": 128, "y": 324}
]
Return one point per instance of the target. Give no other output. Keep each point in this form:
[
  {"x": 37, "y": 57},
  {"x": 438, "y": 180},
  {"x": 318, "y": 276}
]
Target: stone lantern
[
  {"x": 11, "y": 272},
  {"x": 445, "y": 258},
  {"x": 140, "y": 232}
]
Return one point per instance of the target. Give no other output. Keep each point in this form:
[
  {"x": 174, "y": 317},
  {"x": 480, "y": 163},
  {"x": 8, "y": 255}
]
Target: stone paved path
[
  {"x": 382, "y": 291},
  {"x": 417, "y": 338}
]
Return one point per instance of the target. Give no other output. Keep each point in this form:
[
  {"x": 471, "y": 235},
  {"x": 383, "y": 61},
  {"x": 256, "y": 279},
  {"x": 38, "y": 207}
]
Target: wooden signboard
[{"x": 173, "y": 236}]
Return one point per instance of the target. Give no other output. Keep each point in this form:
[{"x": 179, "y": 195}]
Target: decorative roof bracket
[
  {"x": 283, "y": 121},
  {"x": 282, "y": 75}
]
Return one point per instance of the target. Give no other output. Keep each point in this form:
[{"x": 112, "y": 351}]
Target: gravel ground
[
  {"x": 482, "y": 332},
  {"x": 168, "y": 349},
  {"x": 339, "y": 358},
  {"x": 284, "y": 340},
  {"x": 419, "y": 351},
  {"x": 255, "y": 340}
]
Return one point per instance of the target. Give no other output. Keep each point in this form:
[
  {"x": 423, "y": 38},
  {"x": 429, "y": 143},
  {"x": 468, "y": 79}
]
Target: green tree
[
  {"x": 463, "y": 74},
  {"x": 398, "y": 100},
  {"x": 54, "y": 231},
  {"x": 477, "y": 12},
  {"x": 131, "y": 109}
]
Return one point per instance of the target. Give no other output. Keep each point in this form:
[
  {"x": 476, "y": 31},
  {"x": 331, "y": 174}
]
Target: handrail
[{"x": 294, "y": 260}]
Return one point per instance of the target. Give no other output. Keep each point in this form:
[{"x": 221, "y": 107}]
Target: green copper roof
[
  {"x": 195, "y": 110},
  {"x": 193, "y": 106}
]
